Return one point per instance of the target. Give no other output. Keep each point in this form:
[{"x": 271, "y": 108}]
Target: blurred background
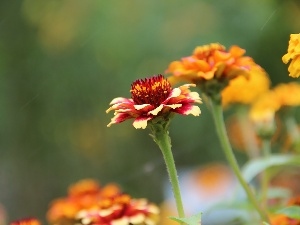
[{"x": 63, "y": 61}]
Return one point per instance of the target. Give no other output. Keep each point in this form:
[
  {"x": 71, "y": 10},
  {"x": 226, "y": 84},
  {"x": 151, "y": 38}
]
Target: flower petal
[
  {"x": 121, "y": 100},
  {"x": 189, "y": 109},
  {"x": 174, "y": 106},
  {"x": 121, "y": 221},
  {"x": 118, "y": 118},
  {"x": 143, "y": 106},
  {"x": 141, "y": 122},
  {"x": 156, "y": 110}
]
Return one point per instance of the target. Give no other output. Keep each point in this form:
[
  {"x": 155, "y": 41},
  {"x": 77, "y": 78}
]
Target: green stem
[
  {"x": 292, "y": 130},
  {"x": 160, "y": 135},
  {"x": 266, "y": 148},
  {"x": 221, "y": 130}
]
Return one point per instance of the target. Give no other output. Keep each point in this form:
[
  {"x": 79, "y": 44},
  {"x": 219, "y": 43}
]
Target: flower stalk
[
  {"x": 217, "y": 112},
  {"x": 266, "y": 149},
  {"x": 161, "y": 136}
]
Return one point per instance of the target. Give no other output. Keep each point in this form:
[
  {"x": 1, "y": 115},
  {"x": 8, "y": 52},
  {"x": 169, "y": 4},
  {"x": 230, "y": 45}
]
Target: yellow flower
[
  {"x": 288, "y": 94},
  {"x": 245, "y": 90},
  {"x": 88, "y": 203},
  {"x": 151, "y": 98},
  {"x": 262, "y": 114},
  {"x": 211, "y": 62},
  {"x": 294, "y": 55},
  {"x": 262, "y": 111},
  {"x": 265, "y": 107}
]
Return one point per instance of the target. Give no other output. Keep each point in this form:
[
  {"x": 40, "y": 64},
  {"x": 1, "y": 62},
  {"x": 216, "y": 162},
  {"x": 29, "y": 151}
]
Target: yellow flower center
[{"x": 153, "y": 90}]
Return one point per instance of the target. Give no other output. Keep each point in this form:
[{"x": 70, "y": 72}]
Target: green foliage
[
  {"x": 256, "y": 166},
  {"x": 291, "y": 211}
]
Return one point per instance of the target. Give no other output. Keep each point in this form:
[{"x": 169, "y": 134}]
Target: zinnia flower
[
  {"x": 89, "y": 203},
  {"x": 294, "y": 55},
  {"x": 211, "y": 62},
  {"x": 132, "y": 211},
  {"x": 152, "y": 98},
  {"x": 26, "y": 221}
]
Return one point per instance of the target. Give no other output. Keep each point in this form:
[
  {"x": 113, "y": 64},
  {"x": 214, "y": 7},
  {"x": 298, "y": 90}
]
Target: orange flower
[
  {"x": 26, "y": 221},
  {"x": 151, "y": 98},
  {"x": 86, "y": 186},
  {"x": 294, "y": 55},
  {"x": 244, "y": 90},
  {"x": 281, "y": 219},
  {"x": 211, "y": 62},
  {"x": 88, "y": 203}
]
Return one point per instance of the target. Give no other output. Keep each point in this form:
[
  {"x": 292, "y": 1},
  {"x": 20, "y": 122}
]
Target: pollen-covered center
[{"x": 153, "y": 90}]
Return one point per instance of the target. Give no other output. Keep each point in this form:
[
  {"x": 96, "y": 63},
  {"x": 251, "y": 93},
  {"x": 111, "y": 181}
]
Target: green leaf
[
  {"x": 291, "y": 211},
  {"x": 256, "y": 166},
  {"x": 192, "y": 220},
  {"x": 265, "y": 223}
]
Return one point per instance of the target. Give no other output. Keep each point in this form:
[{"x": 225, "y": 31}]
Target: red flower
[
  {"x": 154, "y": 97},
  {"x": 89, "y": 203},
  {"x": 26, "y": 221}
]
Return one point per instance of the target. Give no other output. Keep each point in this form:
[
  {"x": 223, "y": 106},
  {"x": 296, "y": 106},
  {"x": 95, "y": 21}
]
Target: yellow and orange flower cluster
[
  {"x": 88, "y": 203},
  {"x": 293, "y": 54},
  {"x": 151, "y": 98},
  {"x": 209, "y": 62}
]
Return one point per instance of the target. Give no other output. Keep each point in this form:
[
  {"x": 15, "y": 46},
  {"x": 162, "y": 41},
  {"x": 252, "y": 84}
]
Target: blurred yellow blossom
[
  {"x": 265, "y": 107},
  {"x": 263, "y": 110},
  {"x": 245, "y": 90},
  {"x": 294, "y": 55},
  {"x": 262, "y": 113},
  {"x": 288, "y": 94}
]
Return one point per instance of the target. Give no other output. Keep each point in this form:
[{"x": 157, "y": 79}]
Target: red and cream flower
[
  {"x": 89, "y": 203},
  {"x": 26, "y": 221},
  {"x": 151, "y": 98},
  {"x": 294, "y": 55},
  {"x": 127, "y": 212},
  {"x": 209, "y": 62}
]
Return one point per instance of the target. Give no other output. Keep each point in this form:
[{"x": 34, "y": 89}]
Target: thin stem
[
  {"x": 221, "y": 130},
  {"x": 292, "y": 129},
  {"x": 161, "y": 137},
  {"x": 266, "y": 149},
  {"x": 247, "y": 134}
]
